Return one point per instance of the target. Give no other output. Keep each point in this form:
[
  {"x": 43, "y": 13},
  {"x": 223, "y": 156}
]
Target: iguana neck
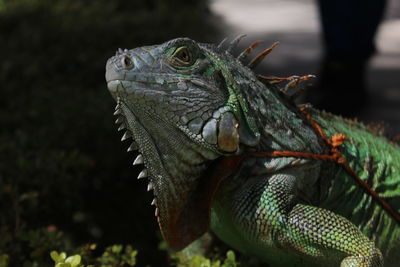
[{"x": 279, "y": 122}]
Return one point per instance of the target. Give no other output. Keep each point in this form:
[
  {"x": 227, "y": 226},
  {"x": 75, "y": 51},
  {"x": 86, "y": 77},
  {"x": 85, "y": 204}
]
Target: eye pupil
[{"x": 184, "y": 55}]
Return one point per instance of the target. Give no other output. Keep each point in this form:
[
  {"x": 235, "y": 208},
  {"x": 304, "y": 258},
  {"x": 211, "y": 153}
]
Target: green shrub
[
  {"x": 201, "y": 261},
  {"x": 113, "y": 256}
]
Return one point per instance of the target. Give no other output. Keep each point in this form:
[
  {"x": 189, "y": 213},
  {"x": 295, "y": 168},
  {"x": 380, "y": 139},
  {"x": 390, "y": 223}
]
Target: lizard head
[{"x": 179, "y": 104}]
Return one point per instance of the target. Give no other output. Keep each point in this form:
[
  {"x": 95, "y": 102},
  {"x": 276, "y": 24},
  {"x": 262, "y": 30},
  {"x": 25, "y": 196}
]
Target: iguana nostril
[{"x": 126, "y": 62}]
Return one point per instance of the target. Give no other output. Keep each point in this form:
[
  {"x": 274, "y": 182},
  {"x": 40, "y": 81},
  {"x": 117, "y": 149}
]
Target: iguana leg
[
  {"x": 319, "y": 232},
  {"x": 266, "y": 213}
]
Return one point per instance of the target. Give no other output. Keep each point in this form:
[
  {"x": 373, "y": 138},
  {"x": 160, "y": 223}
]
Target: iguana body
[{"x": 189, "y": 105}]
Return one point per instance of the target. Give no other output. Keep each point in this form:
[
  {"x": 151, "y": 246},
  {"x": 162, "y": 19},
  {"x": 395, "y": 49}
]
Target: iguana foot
[{"x": 375, "y": 259}]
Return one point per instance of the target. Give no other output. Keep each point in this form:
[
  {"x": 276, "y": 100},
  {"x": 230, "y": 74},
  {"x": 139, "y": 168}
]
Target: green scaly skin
[{"x": 187, "y": 105}]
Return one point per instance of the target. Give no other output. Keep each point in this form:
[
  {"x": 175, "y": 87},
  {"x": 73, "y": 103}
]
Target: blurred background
[
  {"x": 66, "y": 183},
  {"x": 296, "y": 24}
]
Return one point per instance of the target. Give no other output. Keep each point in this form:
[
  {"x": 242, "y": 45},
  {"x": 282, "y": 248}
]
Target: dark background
[
  {"x": 65, "y": 179},
  {"x": 62, "y": 165}
]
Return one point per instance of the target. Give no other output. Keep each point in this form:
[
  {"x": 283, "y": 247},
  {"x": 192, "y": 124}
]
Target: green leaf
[
  {"x": 74, "y": 260},
  {"x": 29, "y": 196},
  {"x": 63, "y": 255},
  {"x": 116, "y": 249},
  {"x": 54, "y": 256},
  {"x": 230, "y": 260},
  {"x": 58, "y": 257},
  {"x": 4, "y": 260}
]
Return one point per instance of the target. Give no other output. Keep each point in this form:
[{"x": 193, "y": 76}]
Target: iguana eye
[
  {"x": 182, "y": 57},
  {"x": 183, "y": 54}
]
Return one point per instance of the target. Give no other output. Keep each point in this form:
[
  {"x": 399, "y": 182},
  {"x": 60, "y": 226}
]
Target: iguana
[{"x": 193, "y": 109}]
